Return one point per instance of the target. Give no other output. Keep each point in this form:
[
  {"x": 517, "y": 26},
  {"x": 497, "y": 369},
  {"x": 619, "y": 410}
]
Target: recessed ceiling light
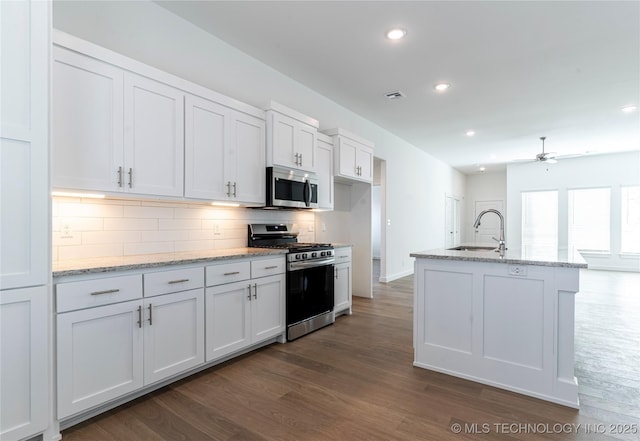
[
  {"x": 441, "y": 87},
  {"x": 630, "y": 108},
  {"x": 482, "y": 169},
  {"x": 396, "y": 34},
  {"x": 470, "y": 132}
]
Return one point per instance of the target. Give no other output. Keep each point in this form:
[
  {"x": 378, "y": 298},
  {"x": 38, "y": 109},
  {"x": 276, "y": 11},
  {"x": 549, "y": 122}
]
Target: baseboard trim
[{"x": 392, "y": 277}]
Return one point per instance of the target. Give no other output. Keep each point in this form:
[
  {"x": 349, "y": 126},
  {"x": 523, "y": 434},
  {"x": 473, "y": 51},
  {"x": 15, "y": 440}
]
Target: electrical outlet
[
  {"x": 66, "y": 232},
  {"x": 216, "y": 229}
]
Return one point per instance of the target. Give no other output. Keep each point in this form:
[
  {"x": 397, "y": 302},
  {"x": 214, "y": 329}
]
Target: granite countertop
[
  {"x": 141, "y": 261},
  {"x": 540, "y": 257},
  {"x": 342, "y": 245}
]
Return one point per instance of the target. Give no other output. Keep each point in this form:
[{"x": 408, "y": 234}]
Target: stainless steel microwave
[{"x": 288, "y": 188}]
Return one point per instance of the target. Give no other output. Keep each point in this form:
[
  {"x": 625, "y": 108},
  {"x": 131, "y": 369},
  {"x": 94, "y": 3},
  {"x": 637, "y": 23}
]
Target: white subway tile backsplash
[
  {"x": 130, "y": 224},
  {"x": 131, "y": 249},
  {"x": 110, "y": 227}
]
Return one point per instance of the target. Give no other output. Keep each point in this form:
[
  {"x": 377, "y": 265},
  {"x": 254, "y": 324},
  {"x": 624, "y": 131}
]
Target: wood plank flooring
[{"x": 355, "y": 381}]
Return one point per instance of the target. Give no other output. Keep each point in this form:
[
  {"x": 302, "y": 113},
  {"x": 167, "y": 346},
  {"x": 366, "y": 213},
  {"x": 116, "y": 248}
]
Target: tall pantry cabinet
[{"x": 24, "y": 219}]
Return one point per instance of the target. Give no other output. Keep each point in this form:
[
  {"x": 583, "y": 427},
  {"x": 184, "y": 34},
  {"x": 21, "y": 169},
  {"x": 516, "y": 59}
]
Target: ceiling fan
[{"x": 542, "y": 156}]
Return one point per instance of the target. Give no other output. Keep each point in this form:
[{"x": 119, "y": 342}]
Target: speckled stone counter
[
  {"x": 538, "y": 257},
  {"x": 122, "y": 263}
]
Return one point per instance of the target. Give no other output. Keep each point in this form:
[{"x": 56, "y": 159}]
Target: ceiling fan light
[{"x": 441, "y": 87}]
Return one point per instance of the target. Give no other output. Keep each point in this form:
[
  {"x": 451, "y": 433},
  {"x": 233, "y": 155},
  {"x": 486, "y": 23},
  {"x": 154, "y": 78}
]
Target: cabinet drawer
[
  {"x": 228, "y": 272},
  {"x": 164, "y": 282},
  {"x": 343, "y": 255},
  {"x": 267, "y": 267},
  {"x": 97, "y": 292}
]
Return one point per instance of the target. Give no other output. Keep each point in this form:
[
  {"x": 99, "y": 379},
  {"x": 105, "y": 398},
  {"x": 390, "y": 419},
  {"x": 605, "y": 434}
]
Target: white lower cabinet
[
  {"x": 99, "y": 355},
  {"x": 247, "y": 312},
  {"x": 23, "y": 362},
  {"x": 342, "y": 283},
  {"x": 105, "y": 352},
  {"x": 122, "y": 334}
]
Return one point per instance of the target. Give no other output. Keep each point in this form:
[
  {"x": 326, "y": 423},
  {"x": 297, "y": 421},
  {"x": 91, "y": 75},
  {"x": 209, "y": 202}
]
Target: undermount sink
[{"x": 472, "y": 248}]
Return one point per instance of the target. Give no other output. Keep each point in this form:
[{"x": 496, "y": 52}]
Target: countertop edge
[
  {"x": 475, "y": 256},
  {"x": 146, "y": 261}
]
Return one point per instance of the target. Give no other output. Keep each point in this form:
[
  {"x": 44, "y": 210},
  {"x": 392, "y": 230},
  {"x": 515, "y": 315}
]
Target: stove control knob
[
  {"x": 304, "y": 255},
  {"x": 322, "y": 254},
  {"x": 297, "y": 256},
  {"x": 329, "y": 253},
  {"x": 314, "y": 254}
]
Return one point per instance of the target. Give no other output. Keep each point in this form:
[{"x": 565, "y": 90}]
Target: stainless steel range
[{"x": 309, "y": 298}]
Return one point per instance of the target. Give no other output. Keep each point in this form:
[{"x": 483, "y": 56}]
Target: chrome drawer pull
[
  {"x": 178, "y": 281},
  {"x": 140, "y": 316},
  {"x": 232, "y": 273},
  {"x": 271, "y": 267},
  {"x": 107, "y": 291},
  {"x": 343, "y": 257},
  {"x": 150, "y": 315},
  {"x": 249, "y": 296}
]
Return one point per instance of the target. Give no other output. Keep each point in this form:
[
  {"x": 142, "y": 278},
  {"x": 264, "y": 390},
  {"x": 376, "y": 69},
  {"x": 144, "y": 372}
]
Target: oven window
[{"x": 309, "y": 293}]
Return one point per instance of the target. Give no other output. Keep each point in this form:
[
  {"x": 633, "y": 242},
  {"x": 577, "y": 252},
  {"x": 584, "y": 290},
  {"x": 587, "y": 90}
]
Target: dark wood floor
[{"x": 355, "y": 381}]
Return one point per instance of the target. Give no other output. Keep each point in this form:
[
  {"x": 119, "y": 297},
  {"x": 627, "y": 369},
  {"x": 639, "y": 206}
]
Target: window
[
  {"x": 630, "y": 228},
  {"x": 589, "y": 220},
  {"x": 539, "y": 223}
]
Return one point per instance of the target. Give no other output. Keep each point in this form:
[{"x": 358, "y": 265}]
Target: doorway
[
  {"x": 452, "y": 222},
  {"x": 378, "y": 222}
]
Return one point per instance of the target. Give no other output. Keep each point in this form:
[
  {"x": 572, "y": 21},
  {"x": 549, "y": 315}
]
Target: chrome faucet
[{"x": 501, "y": 245}]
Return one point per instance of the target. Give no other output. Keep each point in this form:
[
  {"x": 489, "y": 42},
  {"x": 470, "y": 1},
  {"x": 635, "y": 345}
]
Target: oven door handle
[{"x": 310, "y": 264}]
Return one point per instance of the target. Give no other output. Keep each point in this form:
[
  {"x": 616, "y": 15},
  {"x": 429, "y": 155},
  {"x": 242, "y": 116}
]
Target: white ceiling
[{"x": 519, "y": 70}]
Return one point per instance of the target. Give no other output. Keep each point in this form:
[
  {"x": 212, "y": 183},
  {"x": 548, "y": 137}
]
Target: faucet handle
[{"x": 497, "y": 240}]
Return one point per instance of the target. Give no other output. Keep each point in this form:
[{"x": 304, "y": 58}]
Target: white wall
[
  {"x": 482, "y": 187},
  {"x": 416, "y": 182},
  {"x": 613, "y": 171}
]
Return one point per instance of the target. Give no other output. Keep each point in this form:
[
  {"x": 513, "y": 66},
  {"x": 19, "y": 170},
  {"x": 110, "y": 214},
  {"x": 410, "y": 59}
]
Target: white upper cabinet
[
  {"x": 353, "y": 156},
  {"x": 324, "y": 171},
  {"x": 153, "y": 137},
  {"x": 291, "y": 138},
  {"x": 224, "y": 153},
  {"x": 87, "y": 122}
]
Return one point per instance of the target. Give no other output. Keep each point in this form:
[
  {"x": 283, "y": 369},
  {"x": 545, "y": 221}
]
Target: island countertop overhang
[{"x": 539, "y": 257}]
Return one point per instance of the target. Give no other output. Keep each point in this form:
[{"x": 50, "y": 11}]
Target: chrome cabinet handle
[
  {"x": 271, "y": 267},
  {"x": 130, "y": 178},
  {"x": 228, "y": 189},
  {"x": 300, "y": 159},
  {"x": 234, "y": 189},
  {"x": 232, "y": 273},
  {"x": 171, "y": 282},
  {"x": 249, "y": 296},
  {"x": 343, "y": 257},
  {"x": 120, "y": 176},
  {"x": 335, "y": 271},
  {"x": 297, "y": 159},
  {"x": 150, "y": 315},
  {"x": 106, "y": 291},
  {"x": 139, "y": 316},
  {"x": 255, "y": 290}
]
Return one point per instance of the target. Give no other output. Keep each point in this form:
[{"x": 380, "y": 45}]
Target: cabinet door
[
  {"x": 99, "y": 355},
  {"x": 364, "y": 160},
  {"x": 246, "y": 160},
  {"x": 342, "y": 287},
  {"x": 283, "y": 138},
  {"x": 228, "y": 319},
  {"x": 173, "y": 334},
  {"x": 154, "y": 137},
  {"x": 24, "y": 364},
  {"x": 346, "y": 160},
  {"x": 324, "y": 171},
  {"x": 306, "y": 146},
  {"x": 87, "y": 122},
  {"x": 24, "y": 144},
  {"x": 206, "y": 145},
  {"x": 267, "y": 307}
]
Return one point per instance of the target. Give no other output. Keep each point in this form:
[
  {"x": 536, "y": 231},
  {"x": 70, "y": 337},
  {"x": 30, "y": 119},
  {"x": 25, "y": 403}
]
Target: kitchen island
[{"x": 503, "y": 320}]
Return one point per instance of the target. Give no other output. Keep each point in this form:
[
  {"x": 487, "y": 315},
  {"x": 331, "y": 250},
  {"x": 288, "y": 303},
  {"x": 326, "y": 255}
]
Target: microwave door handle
[{"x": 307, "y": 193}]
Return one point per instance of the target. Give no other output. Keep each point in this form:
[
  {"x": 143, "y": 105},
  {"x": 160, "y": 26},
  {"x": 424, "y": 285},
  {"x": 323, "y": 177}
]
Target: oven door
[{"x": 309, "y": 292}]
